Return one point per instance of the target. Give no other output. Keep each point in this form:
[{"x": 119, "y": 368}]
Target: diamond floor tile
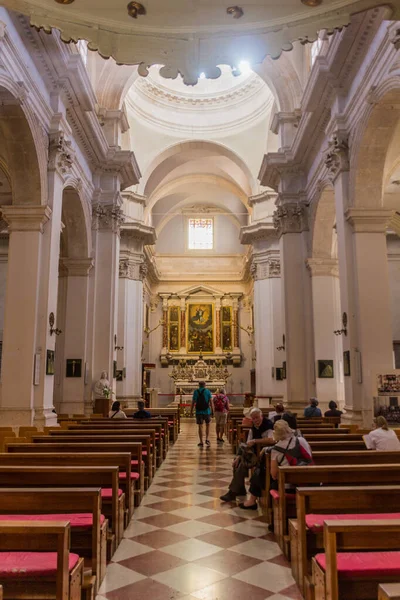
[{"x": 189, "y": 578}]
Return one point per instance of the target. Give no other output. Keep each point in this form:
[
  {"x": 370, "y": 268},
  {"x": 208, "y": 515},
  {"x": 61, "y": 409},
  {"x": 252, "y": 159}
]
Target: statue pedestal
[{"x": 102, "y": 406}]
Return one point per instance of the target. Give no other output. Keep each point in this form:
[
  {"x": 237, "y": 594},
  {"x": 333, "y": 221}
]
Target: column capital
[
  {"x": 77, "y": 267},
  {"x": 323, "y": 267},
  {"x": 290, "y": 217},
  {"x": 107, "y": 217},
  {"x": 131, "y": 269},
  {"x": 337, "y": 155},
  {"x": 26, "y": 218},
  {"x": 266, "y": 266},
  {"x": 369, "y": 220}
]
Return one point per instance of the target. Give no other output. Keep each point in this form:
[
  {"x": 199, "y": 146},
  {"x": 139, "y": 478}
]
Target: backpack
[
  {"x": 219, "y": 403},
  {"x": 297, "y": 456},
  {"x": 201, "y": 401}
]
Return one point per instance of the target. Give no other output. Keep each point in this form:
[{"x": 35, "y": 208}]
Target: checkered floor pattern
[{"x": 183, "y": 543}]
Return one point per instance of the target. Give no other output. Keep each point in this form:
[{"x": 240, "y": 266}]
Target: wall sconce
[
  {"x": 344, "y": 326},
  {"x": 249, "y": 330},
  {"x": 149, "y": 331},
  {"x": 115, "y": 344},
  {"x": 56, "y": 331},
  {"x": 283, "y": 347}
]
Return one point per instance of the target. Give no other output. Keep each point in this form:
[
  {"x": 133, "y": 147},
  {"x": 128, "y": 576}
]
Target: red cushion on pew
[
  {"x": 275, "y": 495},
  {"x": 364, "y": 564},
  {"x": 315, "y": 523},
  {"x": 107, "y": 493},
  {"x": 76, "y": 520},
  {"x": 133, "y": 475},
  {"x": 23, "y": 565}
]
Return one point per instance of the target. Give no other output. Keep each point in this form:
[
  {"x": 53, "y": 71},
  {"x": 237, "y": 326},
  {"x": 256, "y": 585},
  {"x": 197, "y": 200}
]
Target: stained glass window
[{"x": 201, "y": 234}]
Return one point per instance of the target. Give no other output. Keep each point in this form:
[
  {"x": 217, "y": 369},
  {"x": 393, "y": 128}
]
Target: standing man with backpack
[
  {"x": 221, "y": 409},
  {"x": 202, "y": 400}
]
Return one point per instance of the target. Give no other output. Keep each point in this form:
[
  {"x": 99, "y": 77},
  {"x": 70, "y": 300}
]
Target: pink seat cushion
[
  {"x": 107, "y": 493},
  {"x": 353, "y": 565},
  {"x": 315, "y": 523},
  {"x": 76, "y": 520},
  {"x": 133, "y": 475},
  {"x": 274, "y": 494},
  {"x": 24, "y": 565}
]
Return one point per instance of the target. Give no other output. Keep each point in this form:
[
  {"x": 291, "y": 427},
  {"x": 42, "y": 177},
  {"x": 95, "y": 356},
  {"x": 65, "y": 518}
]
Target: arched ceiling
[{"x": 190, "y": 37}]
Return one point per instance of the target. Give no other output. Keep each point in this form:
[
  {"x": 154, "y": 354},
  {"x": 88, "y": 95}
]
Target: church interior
[{"x": 197, "y": 196}]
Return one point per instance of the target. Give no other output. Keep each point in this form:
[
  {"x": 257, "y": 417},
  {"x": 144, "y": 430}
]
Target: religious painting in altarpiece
[
  {"x": 200, "y": 330},
  {"x": 226, "y": 328},
  {"x": 174, "y": 328}
]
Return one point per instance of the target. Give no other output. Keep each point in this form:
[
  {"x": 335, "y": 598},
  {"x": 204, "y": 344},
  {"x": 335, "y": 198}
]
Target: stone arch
[
  {"x": 22, "y": 146},
  {"x": 282, "y": 79},
  {"x": 76, "y": 235},
  {"x": 322, "y": 222},
  {"x": 161, "y": 165},
  {"x": 370, "y": 145}
]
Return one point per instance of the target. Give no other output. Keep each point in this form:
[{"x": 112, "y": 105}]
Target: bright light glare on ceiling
[
  {"x": 202, "y": 76},
  {"x": 244, "y": 67}
]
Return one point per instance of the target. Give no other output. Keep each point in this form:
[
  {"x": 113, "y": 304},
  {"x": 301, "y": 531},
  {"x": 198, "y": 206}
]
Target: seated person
[
  {"x": 116, "y": 412},
  {"x": 289, "y": 442},
  {"x": 141, "y": 413},
  {"x": 261, "y": 433},
  {"x": 333, "y": 410},
  {"x": 277, "y": 413},
  {"x": 382, "y": 438},
  {"x": 312, "y": 410}
]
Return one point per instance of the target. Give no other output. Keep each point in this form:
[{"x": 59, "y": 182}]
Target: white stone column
[
  {"x": 107, "y": 220},
  {"x": 290, "y": 220},
  {"x": 327, "y": 318},
  {"x": 132, "y": 271},
  {"x": 75, "y": 392},
  {"x": 268, "y": 317},
  {"x": 26, "y": 226},
  {"x": 364, "y": 288}
]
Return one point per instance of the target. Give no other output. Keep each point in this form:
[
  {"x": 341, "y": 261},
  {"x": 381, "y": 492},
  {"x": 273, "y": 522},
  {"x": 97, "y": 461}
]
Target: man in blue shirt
[
  {"x": 141, "y": 413},
  {"x": 202, "y": 400}
]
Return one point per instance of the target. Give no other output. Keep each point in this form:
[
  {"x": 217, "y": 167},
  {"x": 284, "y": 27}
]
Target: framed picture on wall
[
  {"x": 284, "y": 369},
  {"x": 346, "y": 363},
  {"x": 73, "y": 367},
  {"x": 279, "y": 373},
  {"x": 114, "y": 369},
  {"x": 49, "y": 362},
  {"x": 325, "y": 369},
  {"x": 119, "y": 375}
]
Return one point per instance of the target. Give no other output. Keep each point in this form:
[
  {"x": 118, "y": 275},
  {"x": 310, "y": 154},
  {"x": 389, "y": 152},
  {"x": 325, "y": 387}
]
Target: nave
[{"x": 183, "y": 543}]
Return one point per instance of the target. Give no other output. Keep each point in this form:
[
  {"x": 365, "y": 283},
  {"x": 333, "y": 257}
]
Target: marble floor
[{"x": 183, "y": 543}]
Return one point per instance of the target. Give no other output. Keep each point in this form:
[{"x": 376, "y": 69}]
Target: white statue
[{"x": 101, "y": 385}]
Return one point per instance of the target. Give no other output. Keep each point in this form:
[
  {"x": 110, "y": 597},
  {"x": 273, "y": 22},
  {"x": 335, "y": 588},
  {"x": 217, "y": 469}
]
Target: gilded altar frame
[{"x": 206, "y": 345}]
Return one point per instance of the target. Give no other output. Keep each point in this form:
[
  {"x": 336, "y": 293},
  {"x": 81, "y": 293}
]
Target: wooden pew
[
  {"x": 107, "y": 478},
  {"x": 389, "y": 591},
  {"x": 156, "y": 445},
  {"x": 122, "y": 460},
  {"x": 314, "y": 503},
  {"x": 89, "y": 541},
  {"x": 134, "y": 448},
  {"x": 284, "y": 505},
  {"x": 332, "y": 574},
  {"x": 64, "y": 580},
  {"x": 332, "y": 446},
  {"x": 144, "y": 439}
]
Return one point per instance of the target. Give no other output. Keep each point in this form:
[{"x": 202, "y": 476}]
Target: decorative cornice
[
  {"x": 134, "y": 197},
  {"x": 25, "y": 217},
  {"x": 323, "y": 267},
  {"x": 257, "y": 231},
  {"x": 264, "y": 196},
  {"x": 369, "y": 220},
  {"x": 290, "y": 217},
  {"x": 138, "y": 231},
  {"x": 281, "y": 118}
]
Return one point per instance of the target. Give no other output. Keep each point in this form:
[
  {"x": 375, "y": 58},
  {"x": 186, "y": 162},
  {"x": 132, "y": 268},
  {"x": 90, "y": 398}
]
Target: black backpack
[{"x": 201, "y": 402}]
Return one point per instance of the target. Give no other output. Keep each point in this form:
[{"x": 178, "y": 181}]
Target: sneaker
[
  {"x": 218, "y": 440},
  {"x": 228, "y": 497},
  {"x": 222, "y": 440},
  {"x": 200, "y": 444},
  {"x": 208, "y": 443}
]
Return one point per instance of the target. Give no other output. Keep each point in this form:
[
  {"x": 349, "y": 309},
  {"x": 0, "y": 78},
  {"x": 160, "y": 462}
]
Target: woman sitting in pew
[
  {"x": 333, "y": 410},
  {"x": 382, "y": 438},
  {"x": 116, "y": 412}
]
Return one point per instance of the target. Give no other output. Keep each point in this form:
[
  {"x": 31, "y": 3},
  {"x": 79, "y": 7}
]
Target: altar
[{"x": 186, "y": 377}]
